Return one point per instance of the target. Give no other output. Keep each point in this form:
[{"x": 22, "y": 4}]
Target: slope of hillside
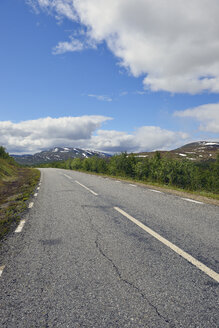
[
  {"x": 202, "y": 150},
  {"x": 56, "y": 154},
  {"x": 16, "y": 186},
  {"x": 196, "y": 151}
]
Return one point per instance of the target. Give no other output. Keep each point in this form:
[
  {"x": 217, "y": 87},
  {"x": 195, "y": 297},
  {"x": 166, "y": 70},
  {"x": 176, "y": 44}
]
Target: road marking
[
  {"x": 193, "y": 201},
  {"x": 67, "y": 176},
  {"x": 132, "y": 185},
  {"x": 20, "y": 226},
  {"x": 160, "y": 192},
  {"x": 35, "y": 195},
  {"x": 117, "y": 181},
  {"x": 38, "y": 188},
  {"x": 94, "y": 193},
  {"x": 175, "y": 248},
  {"x": 30, "y": 205},
  {"x": 1, "y": 269}
]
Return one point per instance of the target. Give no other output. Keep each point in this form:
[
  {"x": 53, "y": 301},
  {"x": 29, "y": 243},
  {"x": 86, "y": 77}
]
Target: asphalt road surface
[{"x": 96, "y": 252}]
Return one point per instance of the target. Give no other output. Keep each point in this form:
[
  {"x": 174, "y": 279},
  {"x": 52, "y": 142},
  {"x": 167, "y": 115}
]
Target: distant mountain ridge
[
  {"x": 195, "y": 151},
  {"x": 57, "y": 154}
]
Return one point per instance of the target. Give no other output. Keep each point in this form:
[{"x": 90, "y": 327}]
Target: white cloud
[
  {"x": 174, "y": 44},
  {"x": 101, "y": 97},
  {"x": 73, "y": 45},
  {"x": 146, "y": 138},
  {"x": 153, "y": 138},
  {"x": 62, "y": 8},
  {"x": 207, "y": 115},
  {"x": 36, "y": 135}
]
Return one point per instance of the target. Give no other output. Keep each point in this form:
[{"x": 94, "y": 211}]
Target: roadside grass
[
  {"x": 205, "y": 196},
  {"x": 17, "y": 184}
]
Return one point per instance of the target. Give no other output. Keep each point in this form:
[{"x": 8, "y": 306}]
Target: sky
[{"x": 118, "y": 75}]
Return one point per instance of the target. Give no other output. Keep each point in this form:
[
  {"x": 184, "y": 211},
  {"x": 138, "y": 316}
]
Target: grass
[{"x": 16, "y": 186}]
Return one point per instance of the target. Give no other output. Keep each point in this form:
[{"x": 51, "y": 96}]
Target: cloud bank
[
  {"x": 207, "y": 115},
  {"x": 35, "y": 135},
  {"x": 84, "y": 132},
  {"x": 173, "y": 44}
]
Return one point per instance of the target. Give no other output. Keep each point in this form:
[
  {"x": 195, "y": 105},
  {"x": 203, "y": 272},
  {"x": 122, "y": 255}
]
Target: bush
[{"x": 179, "y": 173}]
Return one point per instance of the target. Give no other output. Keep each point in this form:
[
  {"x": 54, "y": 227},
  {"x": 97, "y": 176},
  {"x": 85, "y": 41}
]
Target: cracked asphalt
[{"x": 80, "y": 263}]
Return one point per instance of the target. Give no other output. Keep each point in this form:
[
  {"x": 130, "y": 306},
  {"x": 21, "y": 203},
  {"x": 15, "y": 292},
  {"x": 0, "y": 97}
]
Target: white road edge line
[
  {"x": 20, "y": 226},
  {"x": 94, "y": 193},
  {"x": 1, "y": 269},
  {"x": 35, "y": 195},
  {"x": 160, "y": 192},
  {"x": 214, "y": 275},
  {"x": 38, "y": 188},
  {"x": 30, "y": 205},
  {"x": 193, "y": 201},
  {"x": 132, "y": 185}
]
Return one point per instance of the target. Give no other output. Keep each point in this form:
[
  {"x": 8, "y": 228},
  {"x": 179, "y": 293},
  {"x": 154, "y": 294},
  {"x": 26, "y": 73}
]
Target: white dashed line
[
  {"x": 94, "y": 193},
  {"x": 175, "y": 248},
  {"x": 30, "y": 205},
  {"x": 160, "y": 192},
  {"x": 132, "y": 185},
  {"x": 38, "y": 188},
  {"x": 192, "y": 201},
  {"x": 117, "y": 181},
  {"x": 36, "y": 194},
  {"x": 1, "y": 269},
  {"x": 20, "y": 226},
  {"x": 67, "y": 176}
]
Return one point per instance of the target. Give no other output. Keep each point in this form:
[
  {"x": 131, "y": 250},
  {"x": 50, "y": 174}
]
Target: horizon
[
  {"x": 93, "y": 150},
  {"x": 106, "y": 77}
]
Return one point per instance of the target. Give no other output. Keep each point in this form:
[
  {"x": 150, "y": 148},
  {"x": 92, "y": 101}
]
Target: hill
[
  {"x": 16, "y": 185},
  {"x": 196, "y": 151},
  {"x": 56, "y": 154}
]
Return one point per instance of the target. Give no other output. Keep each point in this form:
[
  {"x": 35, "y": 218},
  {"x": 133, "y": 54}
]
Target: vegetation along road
[{"x": 96, "y": 252}]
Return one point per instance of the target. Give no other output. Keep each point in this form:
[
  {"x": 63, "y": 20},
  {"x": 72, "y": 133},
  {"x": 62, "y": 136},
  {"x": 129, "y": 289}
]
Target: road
[{"x": 85, "y": 255}]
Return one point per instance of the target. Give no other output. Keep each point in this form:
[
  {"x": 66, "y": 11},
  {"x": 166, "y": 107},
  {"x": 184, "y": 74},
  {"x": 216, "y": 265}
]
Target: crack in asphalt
[{"x": 131, "y": 284}]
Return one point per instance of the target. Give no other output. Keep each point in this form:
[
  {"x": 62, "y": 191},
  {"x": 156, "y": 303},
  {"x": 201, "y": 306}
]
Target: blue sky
[{"x": 120, "y": 74}]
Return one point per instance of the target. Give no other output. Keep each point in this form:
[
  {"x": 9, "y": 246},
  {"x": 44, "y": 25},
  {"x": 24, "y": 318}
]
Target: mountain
[
  {"x": 195, "y": 151},
  {"x": 57, "y": 154},
  {"x": 202, "y": 150}
]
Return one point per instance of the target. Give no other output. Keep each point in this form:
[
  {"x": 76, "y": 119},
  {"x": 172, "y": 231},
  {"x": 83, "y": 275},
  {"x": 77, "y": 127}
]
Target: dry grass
[{"x": 15, "y": 190}]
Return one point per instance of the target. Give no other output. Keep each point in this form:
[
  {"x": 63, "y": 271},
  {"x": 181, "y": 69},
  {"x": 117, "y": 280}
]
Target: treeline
[
  {"x": 179, "y": 173},
  {"x": 4, "y": 155}
]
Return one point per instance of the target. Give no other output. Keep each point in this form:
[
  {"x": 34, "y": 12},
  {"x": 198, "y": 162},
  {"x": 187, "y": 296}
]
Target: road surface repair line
[
  {"x": 175, "y": 248},
  {"x": 30, "y": 205},
  {"x": 20, "y": 226},
  {"x": 1, "y": 269},
  {"x": 94, "y": 193},
  {"x": 192, "y": 201}
]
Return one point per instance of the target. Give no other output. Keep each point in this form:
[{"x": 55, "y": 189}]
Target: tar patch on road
[{"x": 50, "y": 242}]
